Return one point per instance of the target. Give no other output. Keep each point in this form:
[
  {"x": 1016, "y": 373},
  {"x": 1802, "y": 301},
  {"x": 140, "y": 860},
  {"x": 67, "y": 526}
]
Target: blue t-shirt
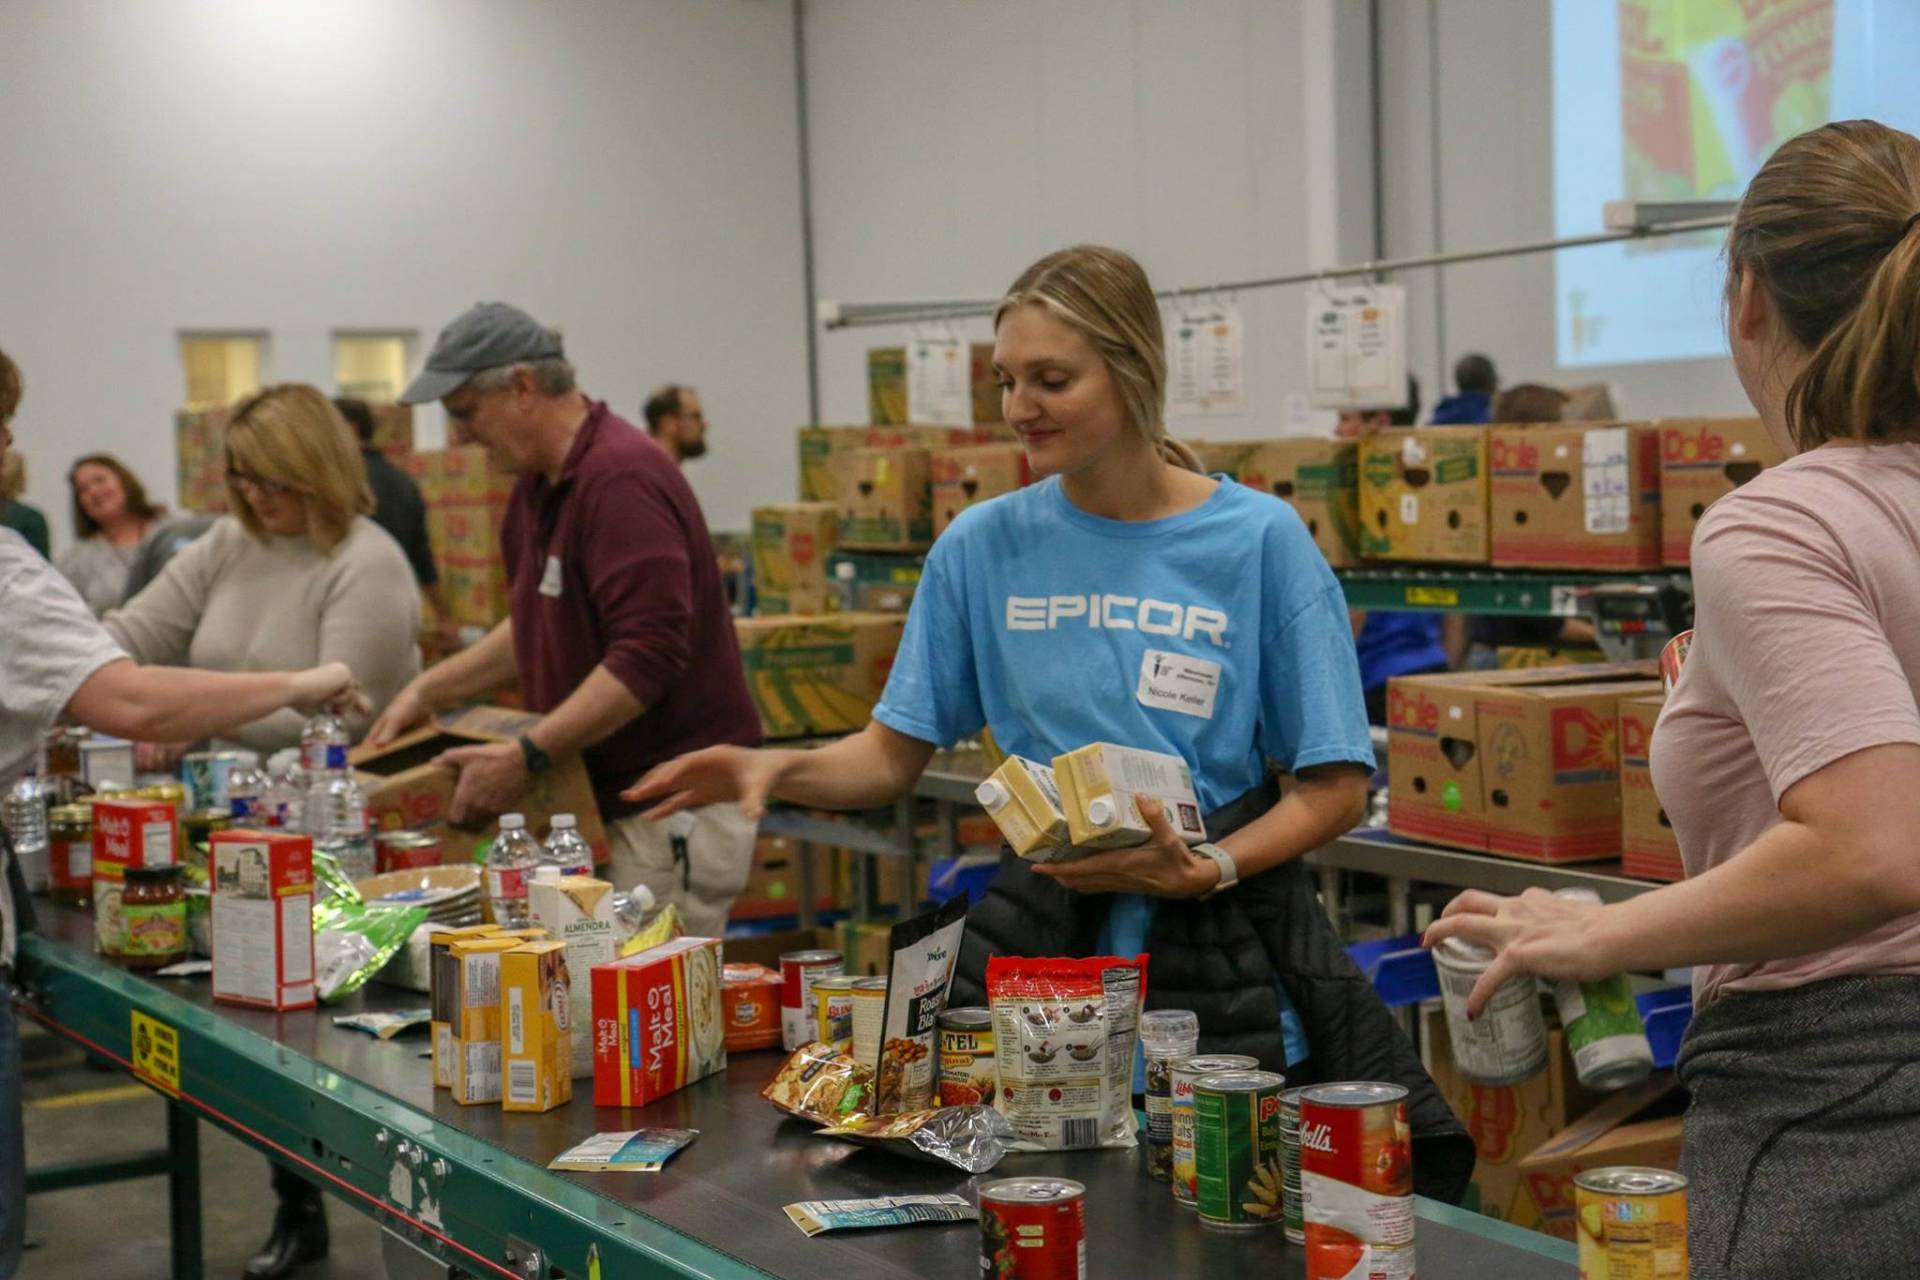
[
  {"x": 1057, "y": 628},
  {"x": 1397, "y": 644}
]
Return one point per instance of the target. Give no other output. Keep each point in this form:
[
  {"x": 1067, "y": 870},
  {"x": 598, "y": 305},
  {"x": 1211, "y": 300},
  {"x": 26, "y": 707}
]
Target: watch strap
[
  {"x": 530, "y": 752},
  {"x": 1229, "y": 871}
]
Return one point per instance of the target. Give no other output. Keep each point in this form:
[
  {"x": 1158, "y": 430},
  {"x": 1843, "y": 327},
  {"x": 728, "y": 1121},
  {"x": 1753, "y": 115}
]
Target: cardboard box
[
  {"x": 973, "y": 473},
  {"x": 473, "y": 590},
  {"x": 1423, "y": 494},
  {"x": 985, "y": 385},
  {"x": 393, "y": 429},
  {"x": 1523, "y": 763},
  {"x": 200, "y": 458},
  {"x": 578, "y": 910},
  {"x": 1650, "y": 849},
  {"x": 817, "y": 675},
  {"x": 867, "y": 946},
  {"x": 887, "y": 384},
  {"x": 1639, "y": 1126},
  {"x": 791, "y": 542},
  {"x": 405, "y": 789},
  {"x": 658, "y": 1024},
  {"x": 1321, "y": 479},
  {"x": 886, "y": 498},
  {"x": 774, "y": 887},
  {"x": 1222, "y": 457},
  {"x": 765, "y": 949},
  {"x": 474, "y": 1054},
  {"x": 1576, "y": 497},
  {"x": 262, "y": 918},
  {"x": 883, "y": 597},
  {"x": 459, "y": 476},
  {"x": 1703, "y": 459},
  {"x": 822, "y": 447},
  {"x": 536, "y": 1040},
  {"x": 443, "y": 995}
]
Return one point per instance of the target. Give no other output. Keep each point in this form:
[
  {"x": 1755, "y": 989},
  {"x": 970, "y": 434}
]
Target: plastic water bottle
[
  {"x": 566, "y": 849},
  {"x": 336, "y": 817},
  {"x": 511, "y": 861},
  {"x": 284, "y": 799},
  {"x": 26, "y": 817},
  {"x": 323, "y": 744},
  {"x": 246, "y": 786},
  {"x": 633, "y": 911}
]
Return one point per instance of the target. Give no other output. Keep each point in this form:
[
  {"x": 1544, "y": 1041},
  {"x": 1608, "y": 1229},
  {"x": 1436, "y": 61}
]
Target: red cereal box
[
  {"x": 127, "y": 832},
  {"x": 658, "y": 1023},
  {"x": 262, "y": 914}
]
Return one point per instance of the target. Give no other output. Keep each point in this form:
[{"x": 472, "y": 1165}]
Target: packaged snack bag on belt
[
  {"x": 924, "y": 951},
  {"x": 1063, "y": 1044},
  {"x": 823, "y": 1084},
  {"x": 972, "y": 1138}
]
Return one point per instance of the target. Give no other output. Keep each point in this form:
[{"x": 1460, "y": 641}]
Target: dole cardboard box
[
  {"x": 1702, "y": 459},
  {"x": 262, "y": 918},
  {"x": 1639, "y": 1126},
  {"x": 1222, "y": 457},
  {"x": 967, "y": 474},
  {"x": 1423, "y": 494},
  {"x": 1321, "y": 480},
  {"x": 536, "y": 1040},
  {"x": 820, "y": 447},
  {"x": 886, "y": 498},
  {"x": 791, "y": 542},
  {"x": 1524, "y": 763},
  {"x": 1575, "y": 496},
  {"x": 817, "y": 675},
  {"x": 657, "y": 1022},
  {"x": 1651, "y": 850},
  {"x": 407, "y": 791}
]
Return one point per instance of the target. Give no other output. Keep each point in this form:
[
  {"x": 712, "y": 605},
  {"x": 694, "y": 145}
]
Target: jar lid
[{"x": 72, "y": 814}]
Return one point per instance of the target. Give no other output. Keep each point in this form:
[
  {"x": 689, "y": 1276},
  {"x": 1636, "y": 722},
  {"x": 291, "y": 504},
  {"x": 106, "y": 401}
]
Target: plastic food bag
[
  {"x": 333, "y": 893},
  {"x": 924, "y": 951},
  {"x": 972, "y": 1138},
  {"x": 357, "y": 943},
  {"x": 817, "y": 1216},
  {"x": 822, "y": 1084},
  {"x": 1063, "y": 1034},
  {"x": 663, "y": 928}
]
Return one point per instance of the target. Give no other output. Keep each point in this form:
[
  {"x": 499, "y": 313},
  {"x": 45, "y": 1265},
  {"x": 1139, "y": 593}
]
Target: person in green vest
[{"x": 27, "y": 521}]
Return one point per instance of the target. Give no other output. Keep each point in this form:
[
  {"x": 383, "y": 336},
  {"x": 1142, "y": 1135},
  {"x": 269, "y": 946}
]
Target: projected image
[{"x": 1686, "y": 99}]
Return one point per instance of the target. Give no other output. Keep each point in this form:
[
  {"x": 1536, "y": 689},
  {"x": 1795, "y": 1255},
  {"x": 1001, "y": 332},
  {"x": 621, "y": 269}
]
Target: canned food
[
  {"x": 1033, "y": 1229},
  {"x": 1290, "y": 1166},
  {"x": 833, "y": 1009},
  {"x": 1605, "y": 1037},
  {"x": 798, "y": 969},
  {"x": 1356, "y": 1181},
  {"x": 196, "y": 833},
  {"x": 869, "y": 1019},
  {"x": 405, "y": 850},
  {"x": 1508, "y": 1041},
  {"x": 173, "y": 793},
  {"x": 750, "y": 1000},
  {"x": 206, "y": 773},
  {"x": 967, "y": 1074},
  {"x": 1633, "y": 1224},
  {"x": 70, "y": 854},
  {"x": 1184, "y": 1073},
  {"x": 1236, "y": 1149}
]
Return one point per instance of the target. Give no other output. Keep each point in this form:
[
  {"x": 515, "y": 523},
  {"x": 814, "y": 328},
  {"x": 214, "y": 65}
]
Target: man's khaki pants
[{"x": 698, "y": 860}]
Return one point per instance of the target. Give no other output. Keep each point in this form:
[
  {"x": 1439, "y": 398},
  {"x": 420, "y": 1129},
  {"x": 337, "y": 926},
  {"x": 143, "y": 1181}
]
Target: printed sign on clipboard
[
  {"x": 939, "y": 381},
  {"x": 1357, "y": 346}
]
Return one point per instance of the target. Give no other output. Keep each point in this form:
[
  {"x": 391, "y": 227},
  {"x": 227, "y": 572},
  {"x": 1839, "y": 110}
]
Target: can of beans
[
  {"x": 405, "y": 850},
  {"x": 833, "y": 1009},
  {"x": 1033, "y": 1229},
  {"x": 1184, "y": 1073},
  {"x": 967, "y": 1073},
  {"x": 869, "y": 1019},
  {"x": 1356, "y": 1181},
  {"x": 1236, "y": 1149},
  {"x": 1633, "y": 1223},
  {"x": 1290, "y": 1166},
  {"x": 798, "y": 969},
  {"x": 1508, "y": 1042}
]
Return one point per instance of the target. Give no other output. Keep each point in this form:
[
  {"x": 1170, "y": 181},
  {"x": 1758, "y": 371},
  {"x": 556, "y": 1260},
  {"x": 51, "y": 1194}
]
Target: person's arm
[
  {"x": 865, "y": 770},
  {"x": 476, "y": 670},
  {"x": 493, "y": 774},
  {"x": 180, "y": 703},
  {"x": 157, "y": 625}
]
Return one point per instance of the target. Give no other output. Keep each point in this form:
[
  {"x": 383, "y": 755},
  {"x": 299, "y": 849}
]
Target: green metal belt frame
[
  {"x": 1525, "y": 595},
  {"x": 344, "y": 1135}
]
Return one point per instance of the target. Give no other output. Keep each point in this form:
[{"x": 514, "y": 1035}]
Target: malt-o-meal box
[{"x": 658, "y": 1023}]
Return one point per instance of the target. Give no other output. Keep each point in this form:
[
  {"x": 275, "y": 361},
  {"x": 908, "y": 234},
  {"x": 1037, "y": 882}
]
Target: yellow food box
[
  {"x": 443, "y": 983},
  {"x": 1023, "y": 799},
  {"x": 475, "y": 1046},
  {"x": 1101, "y": 784},
  {"x": 819, "y": 674},
  {"x": 535, "y": 1027}
]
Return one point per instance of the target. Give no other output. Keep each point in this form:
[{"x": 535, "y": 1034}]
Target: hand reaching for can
[{"x": 1536, "y": 933}]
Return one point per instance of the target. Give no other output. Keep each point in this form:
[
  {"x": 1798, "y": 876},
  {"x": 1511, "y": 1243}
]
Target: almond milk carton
[
  {"x": 1023, "y": 800},
  {"x": 1100, "y": 785},
  {"x": 578, "y": 910}
]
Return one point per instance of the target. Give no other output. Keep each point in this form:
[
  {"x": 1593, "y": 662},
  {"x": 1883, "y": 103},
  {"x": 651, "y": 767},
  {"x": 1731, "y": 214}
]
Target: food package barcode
[
  {"x": 522, "y": 1082},
  {"x": 1080, "y": 1133}
]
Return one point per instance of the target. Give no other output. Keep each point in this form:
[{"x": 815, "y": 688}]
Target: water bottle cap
[
  {"x": 563, "y": 822},
  {"x": 513, "y": 822},
  {"x": 641, "y": 897}
]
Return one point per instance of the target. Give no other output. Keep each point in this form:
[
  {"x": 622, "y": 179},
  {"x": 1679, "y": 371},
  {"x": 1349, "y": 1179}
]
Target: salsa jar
[{"x": 153, "y": 918}]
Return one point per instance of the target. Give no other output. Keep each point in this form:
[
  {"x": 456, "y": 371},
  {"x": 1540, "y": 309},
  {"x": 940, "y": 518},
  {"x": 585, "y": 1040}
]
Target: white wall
[
  {"x": 627, "y": 171},
  {"x": 953, "y": 144}
]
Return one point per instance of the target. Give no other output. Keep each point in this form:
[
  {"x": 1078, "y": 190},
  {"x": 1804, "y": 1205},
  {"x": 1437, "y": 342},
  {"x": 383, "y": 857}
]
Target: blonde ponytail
[{"x": 1180, "y": 454}]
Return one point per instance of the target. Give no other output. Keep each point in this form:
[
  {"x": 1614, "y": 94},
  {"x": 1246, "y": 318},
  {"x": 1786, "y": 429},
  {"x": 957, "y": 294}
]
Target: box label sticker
[
  {"x": 1605, "y": 481},
  {"x": 1175, "y": 682},
  {"x": 1433, "y": 597},
  {"x": 156, "y": 1053},
  {"x": 1409, "y": 508}
]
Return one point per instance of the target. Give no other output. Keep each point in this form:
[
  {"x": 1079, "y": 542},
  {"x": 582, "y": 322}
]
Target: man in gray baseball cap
[{"x": 487, "y": 335}]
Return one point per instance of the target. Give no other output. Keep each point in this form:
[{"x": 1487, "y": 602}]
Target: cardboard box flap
[{"x": 1617, "y": 1111}]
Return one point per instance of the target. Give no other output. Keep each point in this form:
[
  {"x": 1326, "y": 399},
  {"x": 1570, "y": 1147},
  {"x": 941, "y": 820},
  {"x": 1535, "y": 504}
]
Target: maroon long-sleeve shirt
[{"x": 612, "y": 566}]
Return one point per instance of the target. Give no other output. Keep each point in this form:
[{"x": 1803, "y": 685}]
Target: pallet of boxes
[{"x": 466, "y": 500}]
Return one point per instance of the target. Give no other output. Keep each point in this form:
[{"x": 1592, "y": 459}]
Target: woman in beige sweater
[{"x": 296, "y": 577}]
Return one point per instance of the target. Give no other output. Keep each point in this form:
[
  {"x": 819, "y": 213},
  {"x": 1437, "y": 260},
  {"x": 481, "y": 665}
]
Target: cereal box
[
  {"x": 658, "y": 1025},
  {"x": 262, "y": 918},
  {"x": 126, "y": 833}
]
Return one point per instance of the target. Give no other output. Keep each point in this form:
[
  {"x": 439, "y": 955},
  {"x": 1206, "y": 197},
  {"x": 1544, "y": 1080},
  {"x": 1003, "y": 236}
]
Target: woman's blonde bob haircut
[
  {"x": 1104, "y": 295},
  {"x": 292, "y": 435}
]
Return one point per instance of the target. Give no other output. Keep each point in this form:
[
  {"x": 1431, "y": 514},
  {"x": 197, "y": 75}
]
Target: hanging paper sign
[
  {"x": 939, "y": 382},
  {"x": 1357, "y": 346},
  {"x": 1206, "y": 367}
]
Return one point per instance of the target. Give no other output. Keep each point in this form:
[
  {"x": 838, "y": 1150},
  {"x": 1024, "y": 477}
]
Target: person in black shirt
[{"x": 397, "y": 506}]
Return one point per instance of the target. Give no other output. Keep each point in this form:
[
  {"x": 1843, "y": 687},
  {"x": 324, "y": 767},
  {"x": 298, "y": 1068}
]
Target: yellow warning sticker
[
  {"x": 156, "y": 1053},
  {"x": 1444, "y": 597}
]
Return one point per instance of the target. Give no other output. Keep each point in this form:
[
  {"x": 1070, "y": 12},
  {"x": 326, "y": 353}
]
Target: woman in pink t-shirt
[{"x": 1788, "y": 756}]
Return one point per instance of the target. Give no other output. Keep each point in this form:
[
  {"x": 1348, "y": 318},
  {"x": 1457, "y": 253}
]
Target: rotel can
[
  {"x": 1236, "y": 1149},
  {"x": 1356, "y": 1181},
  {"x": 1632, "y": 1224},
  {"x": 967, "y": 1073},
  {"x": 1185, "y": 1072},
  {"x": 798, "y": 1016},
  {"x": 1033, "y": 1229}
]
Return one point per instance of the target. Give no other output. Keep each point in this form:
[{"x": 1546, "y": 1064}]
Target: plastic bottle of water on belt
[
  {"x": 566, "y": 849},
  {"x": 246, "y": 784},
  {"x": 26, "y": 817},
  {"x": 511, "y": 861}
]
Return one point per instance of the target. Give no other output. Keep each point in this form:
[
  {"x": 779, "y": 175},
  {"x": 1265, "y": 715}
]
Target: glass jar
[
  {"x": 196, "y": 834},
  {"x": 70, "y": 854},
  {"x": 153, "y": 918}
]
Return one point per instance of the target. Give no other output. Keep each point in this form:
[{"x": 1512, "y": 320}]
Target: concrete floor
[{"x": 120, "y": 1229}]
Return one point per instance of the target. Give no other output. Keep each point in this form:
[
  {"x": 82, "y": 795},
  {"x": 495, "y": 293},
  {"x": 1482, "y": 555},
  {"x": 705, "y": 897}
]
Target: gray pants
[{"x": 1802, "y": 1146}]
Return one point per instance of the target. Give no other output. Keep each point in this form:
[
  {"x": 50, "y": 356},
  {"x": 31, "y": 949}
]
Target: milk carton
[
  {"x": 578, "y": 910},
  {"x": 1100, "y": 785},
  {"x": 1023, "y": 800}
]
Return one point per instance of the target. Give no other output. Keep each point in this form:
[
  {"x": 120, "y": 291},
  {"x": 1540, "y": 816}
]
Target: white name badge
[
  {"x": 1176, "y": 682},
  {"x": 550, "y": 578}
]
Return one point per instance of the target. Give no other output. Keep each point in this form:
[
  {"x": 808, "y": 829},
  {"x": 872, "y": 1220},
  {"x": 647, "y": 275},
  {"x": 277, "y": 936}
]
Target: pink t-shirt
[{"x": 1806, "y": 648}]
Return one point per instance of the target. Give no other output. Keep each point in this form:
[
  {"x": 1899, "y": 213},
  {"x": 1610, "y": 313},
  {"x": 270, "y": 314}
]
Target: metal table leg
[{"x": 183, "y": 1190}]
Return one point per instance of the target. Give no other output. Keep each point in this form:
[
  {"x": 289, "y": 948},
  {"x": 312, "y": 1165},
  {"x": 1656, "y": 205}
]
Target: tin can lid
[
  {"x": 1462, "y": 954},
  {"x": 1354, "y": 1093},
  {"x": 1033, "y": 1190},
  {"x": 1208, "y": 1064},
  {"x": 809, "y": 957},
  {"x": 1630, "y": 1180},
  {"x": 965, "y": 1019},
  {"x": 833, "y": 982},
  {"x": 70, "y": 814},
  {"x": 870, "y": 985},
  {"x": 406, "y": 839},
  {"x": 1239, "y": 1081}
]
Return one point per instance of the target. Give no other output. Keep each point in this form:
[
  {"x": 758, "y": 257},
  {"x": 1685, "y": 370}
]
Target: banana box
[
  {"x": 817, "y": 675},
  {"x": 791, "y": 542},
  {"x": 536, "y": 1049},
  {"x": 1023, "y": 799},
  {"x": 1100, "y": 789}
]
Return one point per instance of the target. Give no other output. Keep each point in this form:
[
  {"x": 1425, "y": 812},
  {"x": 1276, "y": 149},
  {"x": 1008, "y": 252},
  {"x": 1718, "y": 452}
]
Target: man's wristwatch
[
  {"x": 536, "y": 759},
  {"x": 1229, "y": 874}
]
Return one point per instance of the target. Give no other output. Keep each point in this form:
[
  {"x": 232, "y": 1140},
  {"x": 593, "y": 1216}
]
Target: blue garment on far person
[
  {"x": 1398, "y": 644},
  {"x": 1469, "y": 408}
]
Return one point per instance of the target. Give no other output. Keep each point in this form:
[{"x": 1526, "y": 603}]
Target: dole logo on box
[
  {"x": 1696, "y": 446},
  {"x": 1415, "y": 714},
  {"x": 1634, "y": 737},
  {"x": 1515, "y": 455},
  {"x": 1585, "y": 748}
]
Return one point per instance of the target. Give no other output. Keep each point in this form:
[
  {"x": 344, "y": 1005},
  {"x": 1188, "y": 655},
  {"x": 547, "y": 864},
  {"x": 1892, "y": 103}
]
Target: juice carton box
[{"x": 1023, "y": 799}]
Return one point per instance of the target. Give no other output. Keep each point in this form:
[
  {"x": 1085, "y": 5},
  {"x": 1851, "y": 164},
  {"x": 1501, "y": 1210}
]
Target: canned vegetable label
[
  {"x": 1185, "y": 1072},
  {"x": 1236, "y": 1148},
  {"x": 1632, "y": 1224},
  {"x": 967, "y": 1073},
  {"x": 1290, "y": 1165}
]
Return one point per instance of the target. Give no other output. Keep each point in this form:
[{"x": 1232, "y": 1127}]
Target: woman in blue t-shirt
[{"x": 1069, "y": 612}]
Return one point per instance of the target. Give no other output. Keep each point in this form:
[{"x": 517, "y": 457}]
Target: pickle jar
[
  {"x": 153, "y": 918},
  {"x": 70, "y": 854}
]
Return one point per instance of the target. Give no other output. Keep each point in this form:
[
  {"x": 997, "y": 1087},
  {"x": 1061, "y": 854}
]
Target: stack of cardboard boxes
[
  {"x": 466, "y": 501},
  {"x": 200, "y": 457}
]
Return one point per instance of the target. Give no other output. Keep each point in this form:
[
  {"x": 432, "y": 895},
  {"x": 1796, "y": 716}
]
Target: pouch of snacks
[
  {"x": 972, "y": 1138},
  {"x": 924, "y": 951},
  {"x": 821, "y": 1083},
  {"x": 816, "y": 1216},
  {"x": 1063, "y": 1034}
]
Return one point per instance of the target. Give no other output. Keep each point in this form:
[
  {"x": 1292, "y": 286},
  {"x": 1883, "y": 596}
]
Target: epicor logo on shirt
[{"x": 1117, "y": 613}]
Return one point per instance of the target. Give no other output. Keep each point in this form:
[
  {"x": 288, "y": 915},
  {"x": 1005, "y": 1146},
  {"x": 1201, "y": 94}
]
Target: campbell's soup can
[
  {"x": 1236, "y": 1149},
  {"x": 1033, "y": 1229},
  {"x": 1356, "y": 1181},
  {"x": 750, "y": 1001},
  {"x": 1507, "y": 1043},
  {"x": 968, "y": 1076},
  {"x": 833, "y": 1009},
  {"x": 798, "y": 970},
  {"x": 405, "y": 850},
  {"x": 1185, "y": 1072},
  {"x": 1632, "y": 1224}
]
